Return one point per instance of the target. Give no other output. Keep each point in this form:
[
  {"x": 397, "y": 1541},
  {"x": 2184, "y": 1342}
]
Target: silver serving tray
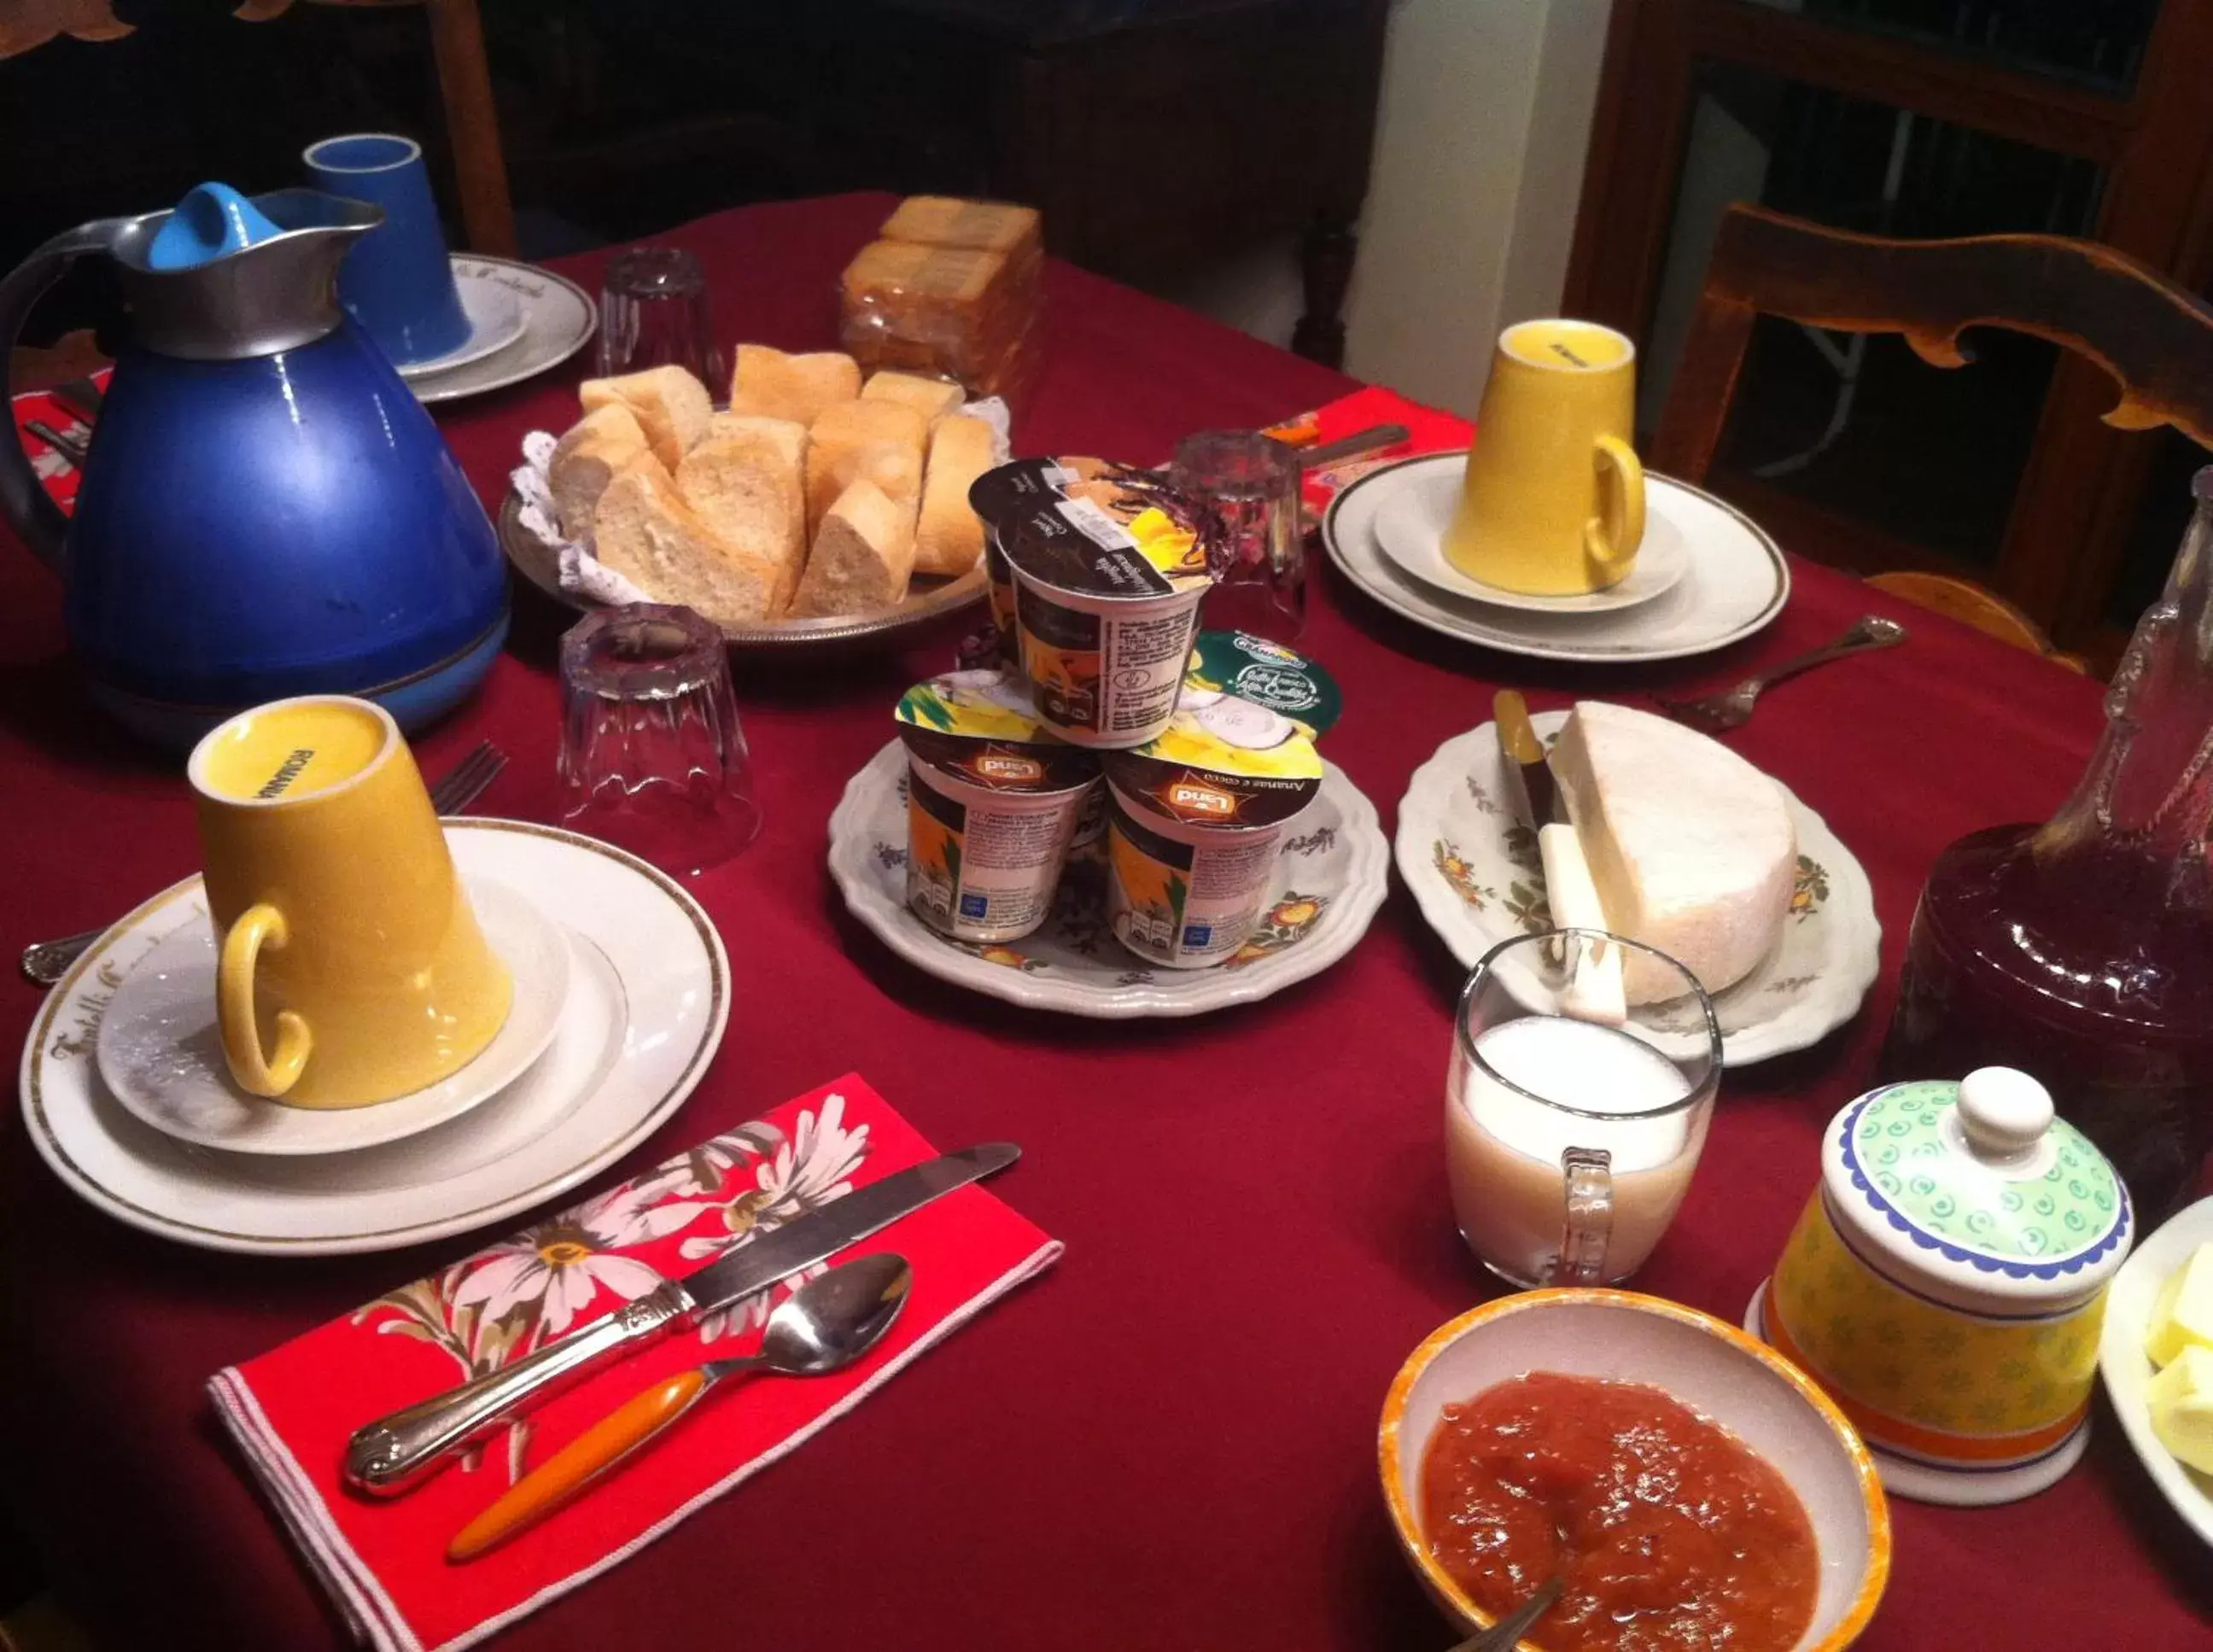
[{"x": 927, "y": 602}]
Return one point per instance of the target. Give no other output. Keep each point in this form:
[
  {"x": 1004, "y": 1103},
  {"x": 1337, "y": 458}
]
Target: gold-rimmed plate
[{"x": 649, "y": 996}]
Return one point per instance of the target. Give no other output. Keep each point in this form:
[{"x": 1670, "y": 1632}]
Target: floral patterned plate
[
  {"x": 1331, "y": 876},
  {"x": 1479, "y": 879},
  {"x": 648, "y": 993}
]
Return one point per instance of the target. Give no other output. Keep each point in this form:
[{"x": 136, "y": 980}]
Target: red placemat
[
  {"x": 383, "y": 1562},
  {"x": 1428, "y": 430}
]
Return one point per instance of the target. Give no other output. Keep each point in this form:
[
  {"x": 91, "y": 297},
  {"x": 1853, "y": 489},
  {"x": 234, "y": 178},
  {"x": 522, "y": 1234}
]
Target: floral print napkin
[{"x": 383, "y": 1562}]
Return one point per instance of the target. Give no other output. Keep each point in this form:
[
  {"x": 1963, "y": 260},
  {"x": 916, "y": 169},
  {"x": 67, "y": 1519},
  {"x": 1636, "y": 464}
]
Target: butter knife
[
  {"x": 395, "y": 1452},
  {"x": 1534, "y": 795}
]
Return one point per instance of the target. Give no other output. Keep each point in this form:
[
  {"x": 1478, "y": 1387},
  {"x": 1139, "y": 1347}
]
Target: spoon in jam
[{"x": 1506, "y": 1634}]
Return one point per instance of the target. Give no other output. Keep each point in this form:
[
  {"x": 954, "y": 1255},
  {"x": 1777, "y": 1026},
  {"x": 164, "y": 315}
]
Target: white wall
[
  {"x": 1479, "y": 148},
  {"x": 1481, "y": 131}
]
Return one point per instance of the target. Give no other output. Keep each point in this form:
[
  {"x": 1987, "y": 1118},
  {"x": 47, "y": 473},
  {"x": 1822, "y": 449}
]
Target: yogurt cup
[
  {"x": 1005, "y": 488},
  {"x": 992, "y": 803},
  {"x": 1180, "y": 894},
  {"x": 1195, "y": 817},
  {"x": 1108, "y": 573}
]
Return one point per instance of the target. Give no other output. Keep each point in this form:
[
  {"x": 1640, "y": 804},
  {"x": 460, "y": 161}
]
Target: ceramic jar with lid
[{"x": 1947, "y": 1280}]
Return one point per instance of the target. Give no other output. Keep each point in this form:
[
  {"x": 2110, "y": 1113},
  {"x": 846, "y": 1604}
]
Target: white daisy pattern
[{"x": 551, "y": 1272}]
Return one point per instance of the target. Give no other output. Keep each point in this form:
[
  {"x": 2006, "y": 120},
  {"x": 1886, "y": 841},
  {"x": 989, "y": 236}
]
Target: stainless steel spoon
[
  {"x": 1506, "y": 1634},
  {"x": 823, "y": 1326}
]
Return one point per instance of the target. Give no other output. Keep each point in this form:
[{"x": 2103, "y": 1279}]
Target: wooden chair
[
  {"x": 2154, "y": 339},
  {"x": 464, "y": 85}
]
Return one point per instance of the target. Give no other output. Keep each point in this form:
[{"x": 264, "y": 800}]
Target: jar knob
[{"x": 2003, "y": 1113}]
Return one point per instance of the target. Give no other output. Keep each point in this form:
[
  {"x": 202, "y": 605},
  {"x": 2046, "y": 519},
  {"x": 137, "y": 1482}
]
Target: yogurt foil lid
[
  {"x": 1110, "y": 532},
  {"x": 981, "y": 727},
  {"x": 1263, "y": 674},
  {"x": 1235, "y": 759}
]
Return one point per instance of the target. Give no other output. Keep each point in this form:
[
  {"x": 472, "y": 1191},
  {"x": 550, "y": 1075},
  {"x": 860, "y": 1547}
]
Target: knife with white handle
[{"x": 394, "y": 1453}]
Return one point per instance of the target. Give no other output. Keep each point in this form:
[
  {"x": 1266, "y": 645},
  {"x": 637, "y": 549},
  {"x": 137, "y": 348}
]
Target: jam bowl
[{"x": 1702, "y": 1364}]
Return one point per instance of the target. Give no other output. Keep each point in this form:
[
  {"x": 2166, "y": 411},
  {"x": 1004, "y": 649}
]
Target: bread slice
[
  {"x": 671, "y": 405},
  {"x": 586, "y": 459},
  {"x": 932, "y": 397},
  {"x": 747, "y": 481},
  {"x": 768, "y": 384},
  {"x": 948, "y": 537},
  {"x": 644, "y": 531},
  {"x": 880, "y": 441},
  {"x": 950, "y": 221},
  {"x": 861, "y": 558}
]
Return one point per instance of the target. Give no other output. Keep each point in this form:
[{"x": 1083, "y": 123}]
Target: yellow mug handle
[
  {"x": 234, "y": 1001},
  {"x": 1611, "y": 538}
]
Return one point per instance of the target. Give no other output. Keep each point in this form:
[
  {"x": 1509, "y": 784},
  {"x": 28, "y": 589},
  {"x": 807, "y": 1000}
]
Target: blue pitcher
[{"x": 266, "y": 510}]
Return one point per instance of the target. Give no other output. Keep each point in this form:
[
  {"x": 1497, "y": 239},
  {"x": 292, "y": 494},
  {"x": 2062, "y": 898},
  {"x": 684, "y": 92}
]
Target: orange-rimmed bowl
[{"x": 1707, "y": 1364}]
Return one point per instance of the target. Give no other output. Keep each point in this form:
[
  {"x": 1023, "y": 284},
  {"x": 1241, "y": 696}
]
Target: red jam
[{"x": 1669, "y": 1532}]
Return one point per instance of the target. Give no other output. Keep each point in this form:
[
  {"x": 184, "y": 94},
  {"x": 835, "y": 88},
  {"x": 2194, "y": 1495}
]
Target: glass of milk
[{"x": 1569, "y": 1135}]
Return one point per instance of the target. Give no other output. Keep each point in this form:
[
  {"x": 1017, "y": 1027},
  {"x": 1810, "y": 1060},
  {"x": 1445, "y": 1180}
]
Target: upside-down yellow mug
[
  {"x": 1553, "y": 501},
  {"x": 351, "y": 968}
]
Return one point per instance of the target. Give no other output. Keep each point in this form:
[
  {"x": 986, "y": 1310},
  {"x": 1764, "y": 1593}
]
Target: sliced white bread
[
  {"x": 948, "y": 537},
  {"x": 671, "y": 405},
  {"x": 644, "y": 531},
  {"x": 746, "y": 479},
  {"x": 882, "y": 441},
  {"x": 768, "y": 384},
  {"x": 586, "y": 459},
  {"x": 932, "y": 398},
  {"x": 862, "y": 556}
]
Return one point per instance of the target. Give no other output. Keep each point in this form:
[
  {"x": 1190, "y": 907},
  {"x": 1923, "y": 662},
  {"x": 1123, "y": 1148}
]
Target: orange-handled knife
[{"x": 823, "y": 1326}]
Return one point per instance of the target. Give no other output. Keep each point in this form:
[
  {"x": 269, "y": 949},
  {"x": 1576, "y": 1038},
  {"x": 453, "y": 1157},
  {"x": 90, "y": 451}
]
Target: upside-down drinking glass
[
  {"x": 652, "y": 756},
  {"x": 1250, "y": 484},
  {"x": 654, "y": 313}
]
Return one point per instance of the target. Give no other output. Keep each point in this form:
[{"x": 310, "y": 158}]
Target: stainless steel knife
[{"x": 394, "y": 1453}]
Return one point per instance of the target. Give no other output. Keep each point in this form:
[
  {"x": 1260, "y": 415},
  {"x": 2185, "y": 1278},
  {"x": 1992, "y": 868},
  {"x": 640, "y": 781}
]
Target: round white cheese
[{"x": 1691, "y": 847}]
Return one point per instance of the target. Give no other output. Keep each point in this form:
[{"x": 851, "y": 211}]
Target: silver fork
[
  {"x": 1719, "y": 713},
  {"x": 46, "y": 961}
]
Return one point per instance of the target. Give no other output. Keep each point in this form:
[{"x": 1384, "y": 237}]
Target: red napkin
[
  {"x": 56, "y": 473},
  {"x": 384, "y": 1562},
  {"x": 1427, "y": 431}
]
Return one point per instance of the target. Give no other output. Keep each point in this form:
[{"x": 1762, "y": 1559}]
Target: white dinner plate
[
  {"x": 494, "y": 322},
  {"x": 1736, "y": 583},
  {"x": 558, "y": 320},
  {"x": 650, "y": 994},
  {"x": 1477, "y": 880},
  {"x": 160, "y": 1051},
  {"x": 1412, "y": 524},
  {"x": 2126, "y": 1367},
  {"x": 1330, "y": 876}
]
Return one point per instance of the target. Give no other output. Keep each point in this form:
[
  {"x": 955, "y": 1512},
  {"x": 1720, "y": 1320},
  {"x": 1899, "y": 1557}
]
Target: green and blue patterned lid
[{"x": 1975, "y": 1187}]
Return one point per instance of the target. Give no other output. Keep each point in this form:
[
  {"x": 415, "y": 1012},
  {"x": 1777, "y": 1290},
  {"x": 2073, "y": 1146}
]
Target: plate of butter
[
  {"x": 1694, "y": 851},
  {"x": 2156, "y": 1356}
]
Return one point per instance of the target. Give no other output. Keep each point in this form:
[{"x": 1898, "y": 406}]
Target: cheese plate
[
  {"x": 1477, "y": 876},
  {"x": 2126, "y": 1368}
]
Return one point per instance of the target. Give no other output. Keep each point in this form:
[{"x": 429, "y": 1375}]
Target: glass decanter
[{"x": 2082, "y": 950}]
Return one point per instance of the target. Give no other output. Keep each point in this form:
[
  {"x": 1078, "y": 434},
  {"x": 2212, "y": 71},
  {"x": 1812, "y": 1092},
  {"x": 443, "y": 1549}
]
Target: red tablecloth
[{"x": 1170, "y": 1441}]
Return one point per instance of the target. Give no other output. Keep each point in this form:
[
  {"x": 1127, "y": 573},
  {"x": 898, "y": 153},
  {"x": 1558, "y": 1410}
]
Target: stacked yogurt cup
[{"x": 1194, "y": 752}]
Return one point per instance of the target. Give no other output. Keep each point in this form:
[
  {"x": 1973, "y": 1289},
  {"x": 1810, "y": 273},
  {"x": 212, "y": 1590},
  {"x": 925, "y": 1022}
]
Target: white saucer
[
  {"x": 1736, "y": 584},
  {"x": 1331, "y": 872},
  {"x": 161, "y": 1054},
  {"x": 557, "y": 318},
  {"x": 1411, "y": 525},
  {"x": 494, "y": 322},
  {"x": 2126, "y": 1367},
  {"x": 1477, "y": 877},
  {"x": 648, "y": 995}
]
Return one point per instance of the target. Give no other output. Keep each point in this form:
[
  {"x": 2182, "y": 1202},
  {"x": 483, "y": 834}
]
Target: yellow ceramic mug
[
  {"x": 1553, "y": 501},
  {"x": 352, "y": 970}
]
